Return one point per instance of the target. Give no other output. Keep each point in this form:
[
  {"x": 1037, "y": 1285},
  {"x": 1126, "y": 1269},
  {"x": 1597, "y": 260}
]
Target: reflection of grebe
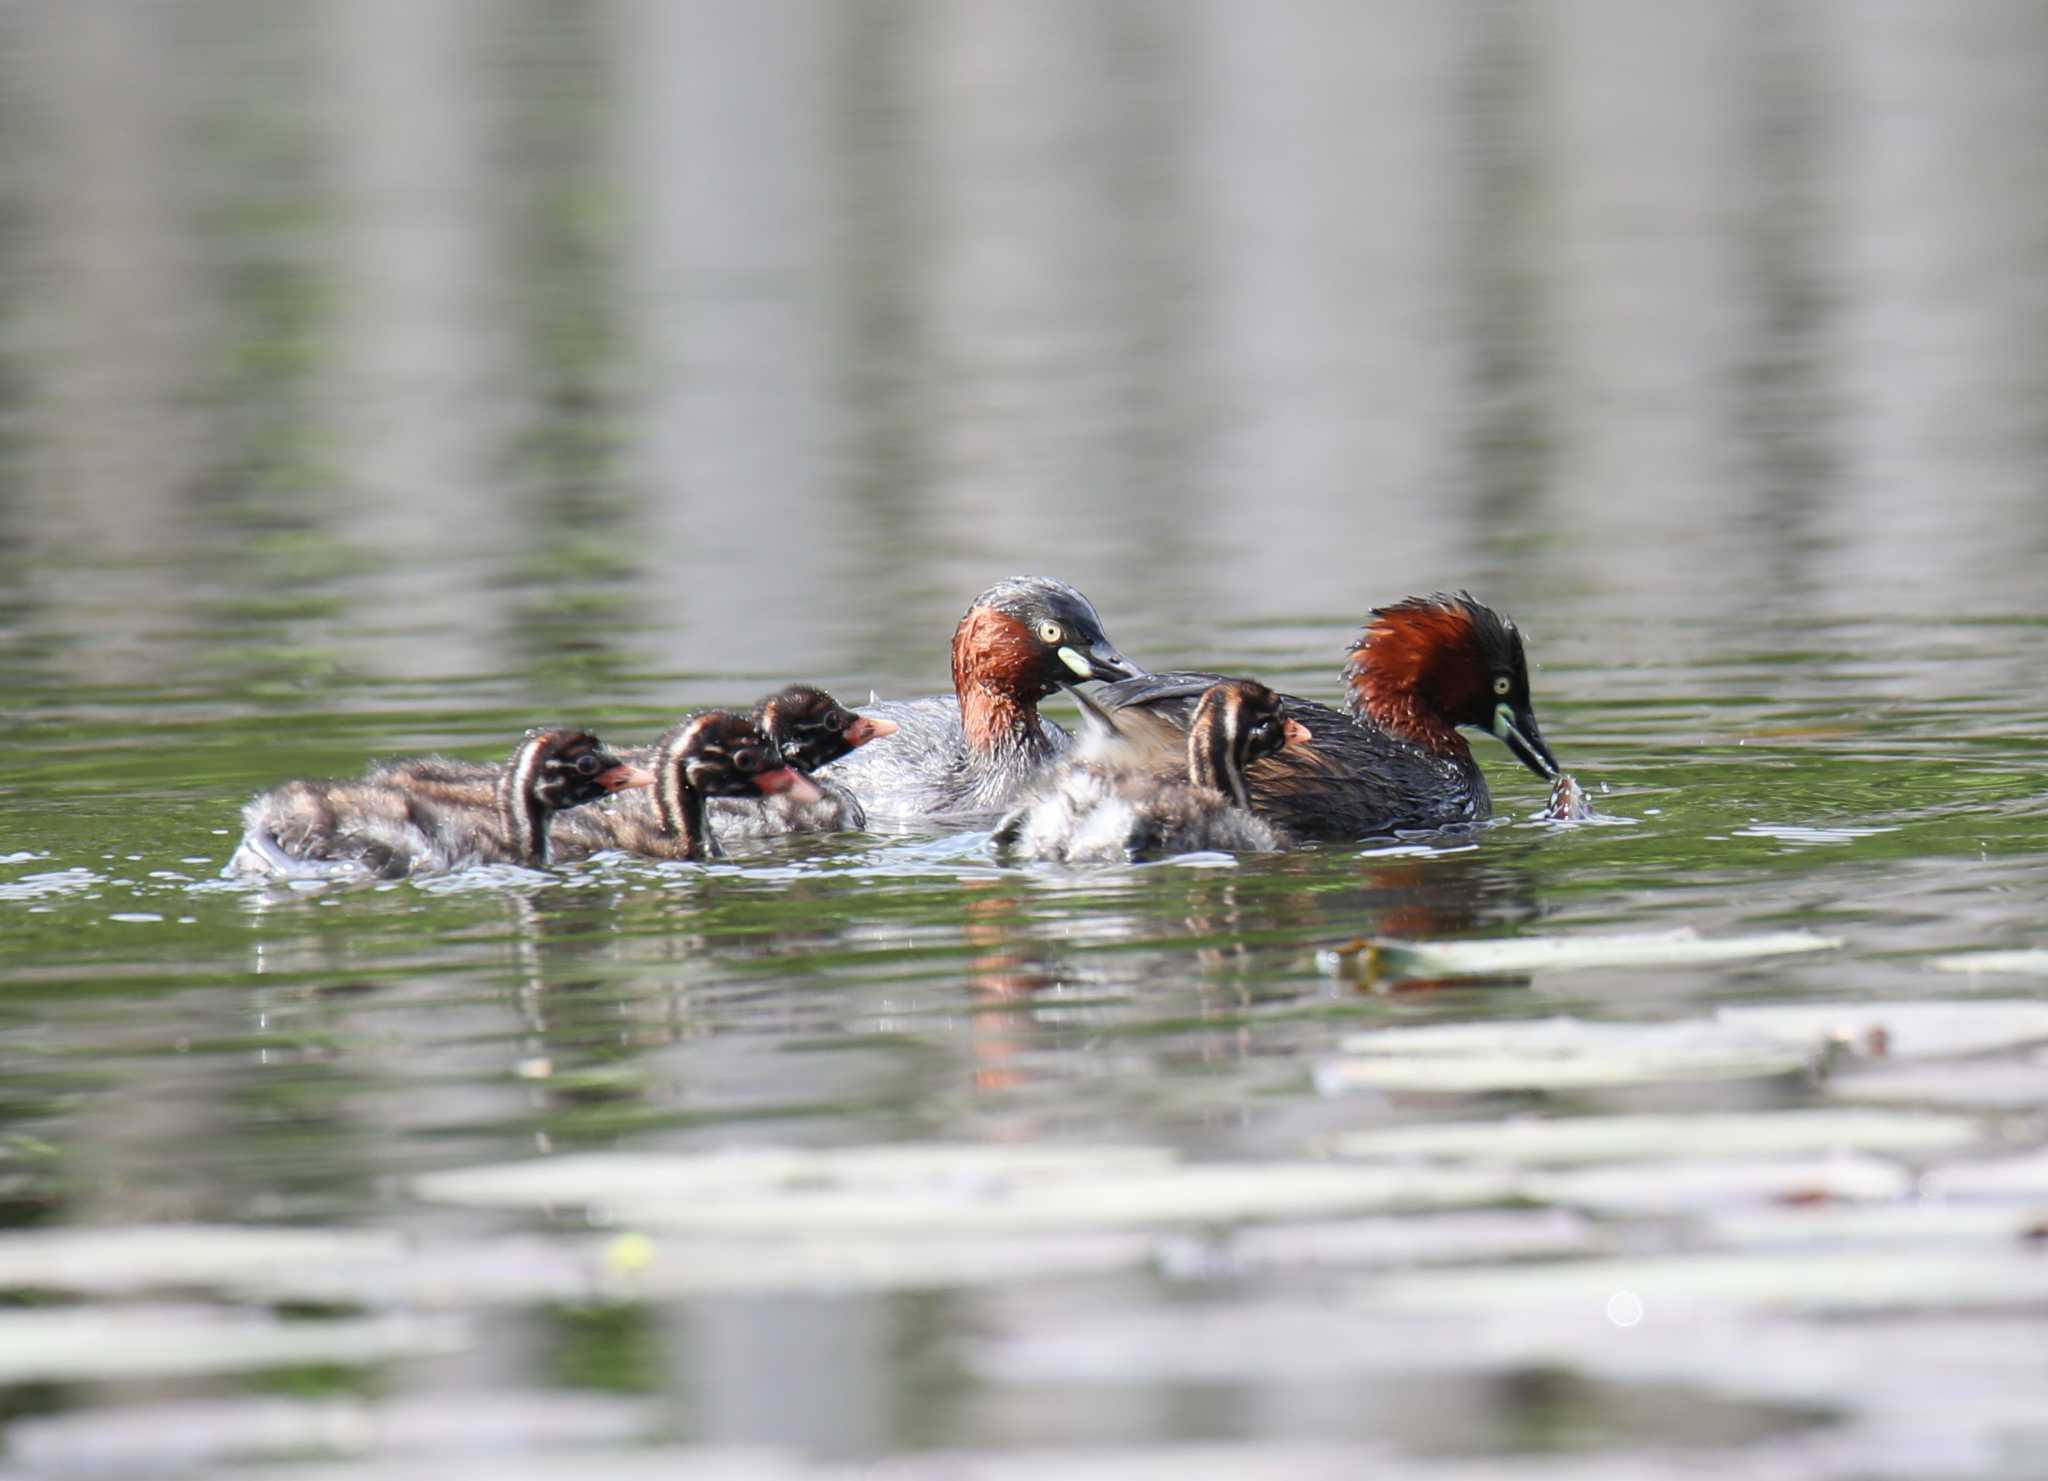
[
  {"x": 426, "y": 814},
  {"x": 1003, "y": 983},
  {"x": 1422, "y": 668},
  {"x": 977, "y": 749},
  {"x": 1126, "y": 796}
]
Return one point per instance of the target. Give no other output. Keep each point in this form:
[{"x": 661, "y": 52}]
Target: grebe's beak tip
[
  {"x": 1105, "y": 663},
  {"x": 1517, "y": 730}
]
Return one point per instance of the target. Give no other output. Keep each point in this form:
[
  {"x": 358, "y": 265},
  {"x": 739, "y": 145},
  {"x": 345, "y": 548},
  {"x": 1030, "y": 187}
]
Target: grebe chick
[
  {"x": 811, "y": 729},
  {"x": 713, "y": 754},
  {"x": 979, "y": 749},
  {"x": 1422, "y": 668},
  {"x": 1113, "y": 801},
  {"x": 435, "y": 818},
  {"x": 808, "y": 728}
]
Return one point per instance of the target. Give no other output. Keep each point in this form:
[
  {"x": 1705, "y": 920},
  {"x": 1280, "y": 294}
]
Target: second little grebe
[
  {"x": 978, "y": 749},
  {"x": 429, "y": 814},
  {"x": 1422, "y": 668},
  {"x": 1114, "y": 801}
]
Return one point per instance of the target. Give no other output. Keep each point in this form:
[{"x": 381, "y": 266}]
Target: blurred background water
[{"x": 381, "y": 376}]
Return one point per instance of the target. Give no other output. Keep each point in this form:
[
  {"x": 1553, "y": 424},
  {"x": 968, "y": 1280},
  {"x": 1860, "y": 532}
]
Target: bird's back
[
  {"x": 925, "y": 770},
  {"x": 1350, "y": 781}
]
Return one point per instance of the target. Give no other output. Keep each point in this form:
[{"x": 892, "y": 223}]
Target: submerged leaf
[
  {"x": 1920, "y": 1029},
  {"x": 1833, "y": 1226},
  {"x": 1413, "y": 1239},
  {"x": 1566, "y": 1139},
  {"x": 531, "y": 1272},
  {"x": 2033, "y": 962},
  {"x": 1974, "y": 1084},
  {"x": 1820, "y": 1280},
  {"x": 1571, "y": 1053},
  {"x": 197, "y": 1436},
  {"x": 1549, "y": 1054},
  {"x": 1672, "y": 1187},
  {"x": 154, "y": 1256},
  {"x": 601, "y": 1178},
  {"x": 2004, "y": 1177},
  {"x": 956, "y": 1190},
  {"x": 1202, "y": 1194},
  {"x": 1393, "y": 957},
  {"x": 96, "y": 1342}
]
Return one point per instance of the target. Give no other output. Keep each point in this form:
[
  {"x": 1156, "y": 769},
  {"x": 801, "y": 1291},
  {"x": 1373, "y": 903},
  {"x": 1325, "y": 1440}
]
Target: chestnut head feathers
[
  {"x": 1427, "y": 665},
  {"x": 1028, "y": 635}
]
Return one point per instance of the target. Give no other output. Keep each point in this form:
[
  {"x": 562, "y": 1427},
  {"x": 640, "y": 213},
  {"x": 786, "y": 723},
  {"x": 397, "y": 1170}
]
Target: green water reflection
[{"x": 387, "y": 378}]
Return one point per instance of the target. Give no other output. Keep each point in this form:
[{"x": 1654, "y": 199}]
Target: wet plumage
[
  {"x": 808, "y": 727},
  {"x": 977, "y": 750},
  {"x": 429, "y": 814},
  {"x": 710, "y": 755},
  {"x": 1129, "y": 793},
  {"x": 1421, "y": 669}
]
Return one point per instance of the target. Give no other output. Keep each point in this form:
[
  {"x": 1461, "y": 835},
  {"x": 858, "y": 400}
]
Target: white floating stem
[
  {"x": 2030, "y": 963},
  {"x": 1389, "y": 957},
  {"x": 1524, "y": 1140}
]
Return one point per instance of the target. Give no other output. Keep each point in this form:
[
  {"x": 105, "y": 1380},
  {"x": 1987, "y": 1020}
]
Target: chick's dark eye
[
  {"x": 586, "y": 764},
  {"x": 837, "y": 720},
  {"x": 747, "y": 760}
]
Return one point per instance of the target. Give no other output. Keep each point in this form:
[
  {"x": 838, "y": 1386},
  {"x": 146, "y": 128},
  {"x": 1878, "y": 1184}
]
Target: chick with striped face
[
  {"x": 567, "y": 768},
  {"x": 716, "y": 754},
  {"x": 1236, "y": 723},
  {"x": 552, "y": 771},
  {"x": 812, "y": 729}
]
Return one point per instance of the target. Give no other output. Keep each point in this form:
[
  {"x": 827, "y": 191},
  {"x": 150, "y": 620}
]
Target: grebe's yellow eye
[
  {"x": 1502, "y": 685},
  {"x": 1051, "y": 632}
]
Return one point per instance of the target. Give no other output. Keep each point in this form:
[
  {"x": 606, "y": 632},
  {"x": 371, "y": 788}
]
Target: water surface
[{"x": 386, "y": 377}]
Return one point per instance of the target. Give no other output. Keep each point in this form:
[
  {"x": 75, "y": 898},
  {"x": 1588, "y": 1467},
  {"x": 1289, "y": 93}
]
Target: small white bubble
[{"x": 1624, "y": 1308}]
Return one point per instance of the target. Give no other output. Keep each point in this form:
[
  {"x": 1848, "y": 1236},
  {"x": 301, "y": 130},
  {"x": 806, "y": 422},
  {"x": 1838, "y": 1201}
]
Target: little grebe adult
[
  {"x": 429, "y": 814},
  {"x": 978, "y": 749},
  {"x": 1113, "y": 800},
  {"x": 714, "y": 754},
  {"x": 808, "y": 727},
  {"x": 1422, "y": 668}
]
